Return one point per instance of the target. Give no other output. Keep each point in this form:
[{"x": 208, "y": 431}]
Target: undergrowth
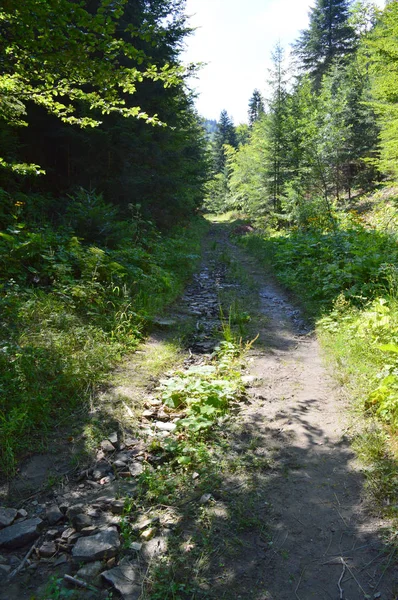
[
  {"x": 75, "y": 296},
  {"x": 346, "y": 280}
]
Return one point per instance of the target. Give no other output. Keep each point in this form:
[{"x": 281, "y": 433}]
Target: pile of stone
[{"x": 82, "y": 541}]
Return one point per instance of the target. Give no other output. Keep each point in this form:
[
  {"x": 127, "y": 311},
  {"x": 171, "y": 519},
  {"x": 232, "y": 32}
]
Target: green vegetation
[{"x": 72, "y": 308}]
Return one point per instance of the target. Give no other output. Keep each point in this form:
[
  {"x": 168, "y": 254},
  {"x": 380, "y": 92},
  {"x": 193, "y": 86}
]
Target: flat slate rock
[
  {"x": 20, "y": 534},
  {"x": 104, "y": 544},
  {"x": 125, "y": 579},
  {"x": 7, "y": 516}
]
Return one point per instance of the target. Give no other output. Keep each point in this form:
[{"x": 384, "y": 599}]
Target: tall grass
[{"x": 71, "y": 308}]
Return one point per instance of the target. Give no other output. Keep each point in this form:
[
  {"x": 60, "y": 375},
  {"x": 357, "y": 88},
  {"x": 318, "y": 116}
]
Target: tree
[
  {"x": 329, "y": 37},
  {"x": 381, "y": 55},
  {"x": 225, "y": 134},
  {"x": 256, "y": 107},
  {"x": 277, "y": 127},
  {"x": 81, "y": 60}
]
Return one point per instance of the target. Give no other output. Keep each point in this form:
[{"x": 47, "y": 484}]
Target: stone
[
  {"x": 61, "y": 560},
  {"x": 147, "y": 534},
  {"x": 205, "y": 498},
  {"x": 67, "y": 533},
  {"x": 107, "y": 446},
  {"x": 20, "y": 534},
  {"x": 120, "y": 464},
  {"x": 104, "y": 544},
  {"x": 113, "y": 438},
  {"x": 90, "y": 571},
  {"x": 7, "y": 516},
  {"x": 111, "y": 563},
  {"x": 53, "y": 514},
  {"x": 148, "y": 414},
  {"x": 22, "y": 513},
  {"x": 51, "y": 534},
  {"x": 125, "y": 579},
  {"x": 117, "y": 507},
  {"x": 248, "y": 379},
  {"x": 136, "y": 469},
  {"x": 81, "y": 521},
  {"x": 101, "y": 469},
  {"x": 136, "y": 546},
  {"x": 164, "y": 323},
  {"x": 4, "y": 571},
  {"x": 47, "y": 549},
  {"x": 75, "y": 509},
  {"x": 165, "y": 426}
]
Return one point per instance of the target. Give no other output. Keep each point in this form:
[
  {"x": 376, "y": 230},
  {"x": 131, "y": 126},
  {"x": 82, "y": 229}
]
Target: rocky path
[{"x": 286, "y": 518}]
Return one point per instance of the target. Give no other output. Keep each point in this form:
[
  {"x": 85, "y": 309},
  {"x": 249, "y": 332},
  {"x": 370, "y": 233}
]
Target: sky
[{"x": 235, "y": 39}]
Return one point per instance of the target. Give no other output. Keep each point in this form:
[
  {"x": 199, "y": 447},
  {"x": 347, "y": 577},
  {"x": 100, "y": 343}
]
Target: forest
[{"x": 107, "y": 173}]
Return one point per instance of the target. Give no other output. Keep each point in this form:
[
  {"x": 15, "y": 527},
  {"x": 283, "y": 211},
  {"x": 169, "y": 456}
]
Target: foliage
[
  {"x": 204, "y": 393},
  {"x": 72, "y": 307},
  {"x": 380, "y": 54},
  {"x": 225, "y": 135},
  {"x": 256, "y": 107},
  {"x": 329, "y": 36}
]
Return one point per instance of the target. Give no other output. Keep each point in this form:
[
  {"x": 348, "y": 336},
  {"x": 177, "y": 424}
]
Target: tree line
[
  {"x": 328, "y": 128},
  {"x": 93, "y": 95}
]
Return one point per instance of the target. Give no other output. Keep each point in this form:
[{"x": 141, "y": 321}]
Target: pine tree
[
  {"x": 225, "y": 134},
  {"x": 277, "y": 128},
  {"x": 256, "y": 107},
  {"x": 328, "y": 37}
]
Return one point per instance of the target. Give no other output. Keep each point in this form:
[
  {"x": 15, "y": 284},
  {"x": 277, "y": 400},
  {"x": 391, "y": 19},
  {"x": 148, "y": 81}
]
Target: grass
[{"x": 73, "y": 309}]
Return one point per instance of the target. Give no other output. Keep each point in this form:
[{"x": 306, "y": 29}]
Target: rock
[
  {"x": 53, "y": 514},
  {"x": 104, "y": 544},
  {"x": 136, "y": 546},
  {"x": 20, "y": 534},
  {"x": 205, "y": 498},
  {"x": 75, "y": 509},
  {"x": 47, "y": 549},
  {"x": 51, "y": 534},
  {"x": 147, "y": 534},
  {"x": 165, "y": 426},
  {"x": 120, "y": 464},
  {"x": 67, "y": 533},
  {"x": 148, "y": 414},
  {"x": 248, "y": 379},
  {"x": 22, "y": 513},
  {"x": 101, "y": 469},
  {"x": 113, "y": 438},
  {"x": 125, "y": 579},
  {"x": 164, "y": 323},
  {"x": 61, "y": 560},
  {"x": 117, "y": 507},
  {"x": 90, "y": 571},
  {"x": 111, "y": 563},
  {"x": 107, "y": 446},
  {"x": 136, "y": 469},
  {"x": 7, "y": 516},
  {"x": 4, "y": 571}
]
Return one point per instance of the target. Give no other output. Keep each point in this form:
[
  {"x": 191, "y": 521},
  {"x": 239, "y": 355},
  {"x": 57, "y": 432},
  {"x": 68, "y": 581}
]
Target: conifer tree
[
  {"x": 225, "y": 134},
  {"x": 328, "y": 37},
  {"x": 256, "y": 107}
]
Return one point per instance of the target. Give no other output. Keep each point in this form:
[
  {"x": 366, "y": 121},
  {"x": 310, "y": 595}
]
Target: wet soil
[{"x": 304, "y": 530}]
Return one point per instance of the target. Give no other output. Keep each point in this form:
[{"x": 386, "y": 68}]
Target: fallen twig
[
  {"x": 23, "y": 561},
  {"x": 298, "y": 585},
  {"x": 340, "y": 580},
  {"x": 353, "y": 576},
  {"x": 80, "y": 583},
  {"x": 385, "y": 570}
]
